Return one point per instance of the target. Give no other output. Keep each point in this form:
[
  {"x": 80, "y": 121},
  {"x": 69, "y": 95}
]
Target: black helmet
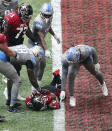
[
  {"x": 38, "y": 103},
  {"x": 25, "y": 11}
]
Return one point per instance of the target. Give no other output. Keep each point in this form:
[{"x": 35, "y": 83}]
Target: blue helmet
[
  {"x": 46, "y": 9},
  {"x": 74, "y": 55}
]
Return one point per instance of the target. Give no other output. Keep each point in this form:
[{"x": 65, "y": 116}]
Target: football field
[
  {"x": 76, "y": 22},
  {"x": 30, "y": 120}
]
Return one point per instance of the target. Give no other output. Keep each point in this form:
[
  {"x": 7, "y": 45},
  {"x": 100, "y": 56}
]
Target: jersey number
[{"x": 21, "y": 29}]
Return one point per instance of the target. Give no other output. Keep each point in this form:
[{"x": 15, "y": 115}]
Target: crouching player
[
  {"x": 72, "y": 59},
  {"x": 28, "y": 57},
  {"x": 47, "y": 100}
]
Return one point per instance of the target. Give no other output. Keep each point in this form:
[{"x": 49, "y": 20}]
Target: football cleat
[
  {"x": 14, "y": 110},
  {"x": 104, "y": 89},
  {"x": 15, "y": 105}
]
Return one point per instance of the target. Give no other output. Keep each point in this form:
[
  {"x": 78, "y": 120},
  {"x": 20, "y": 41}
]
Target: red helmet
[{"x": 2, "y": 38}]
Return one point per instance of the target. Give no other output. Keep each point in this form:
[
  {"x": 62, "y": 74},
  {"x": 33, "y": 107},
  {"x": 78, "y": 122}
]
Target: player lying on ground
[
  {"x": 48, "y": 100},
  {"x": 72, "y": 59}
]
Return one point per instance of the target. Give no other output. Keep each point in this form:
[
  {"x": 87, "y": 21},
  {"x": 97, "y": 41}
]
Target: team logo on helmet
[
  {"x": 38, "y": 103},
  {"x": 46, "y": 11},
  {"x": 74, "y": 55},
  {"x": 25, "y": 11}
]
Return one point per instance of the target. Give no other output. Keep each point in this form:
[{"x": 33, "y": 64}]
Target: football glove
[
  {"x": 62, "y": 95},
  {"x": 48, "y": 53}
]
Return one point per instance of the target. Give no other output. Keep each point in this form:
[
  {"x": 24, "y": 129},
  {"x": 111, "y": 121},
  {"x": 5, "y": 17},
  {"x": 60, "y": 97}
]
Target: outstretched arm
[
  {"x": 54, "y": 35},
  {"x": 31, "y": 75},
  {"x": 43, "y": 42}
]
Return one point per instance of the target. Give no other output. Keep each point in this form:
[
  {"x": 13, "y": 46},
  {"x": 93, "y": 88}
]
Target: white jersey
[
  {"x": 40, "y": 23},
  {"x": 84, "y": 50},
  {"x": 24, "y": 53},
  {"x": 7, "y": 9}
]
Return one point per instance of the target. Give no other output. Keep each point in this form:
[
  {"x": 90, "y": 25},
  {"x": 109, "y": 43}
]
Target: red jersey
[
  {"x": 17, "y": 29},
  {"x": 51, "y": 103}
]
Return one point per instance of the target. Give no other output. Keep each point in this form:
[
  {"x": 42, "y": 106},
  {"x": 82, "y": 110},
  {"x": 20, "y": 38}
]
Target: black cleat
[
  {"x": 15, "y": 105},
  {"x": 14, "y": 110}
]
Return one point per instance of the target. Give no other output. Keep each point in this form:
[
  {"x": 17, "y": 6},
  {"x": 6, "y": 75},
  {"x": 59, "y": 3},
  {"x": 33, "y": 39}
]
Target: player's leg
[
  {"x": 72, "y": 72},
  {"x": 9, "y": 83},
  {"x": 10, "y": 72},
  {"x": 56, "y": 81},
  {"x": 89, "y": 65}
]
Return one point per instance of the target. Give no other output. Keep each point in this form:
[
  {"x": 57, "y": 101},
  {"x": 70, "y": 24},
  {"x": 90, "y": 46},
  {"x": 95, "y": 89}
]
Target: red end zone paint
[{"x": 89, "y": 22}]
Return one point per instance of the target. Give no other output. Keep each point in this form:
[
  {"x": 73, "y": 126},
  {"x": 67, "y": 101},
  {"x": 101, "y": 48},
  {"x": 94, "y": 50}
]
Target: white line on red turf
[{"x": 59, "y": 115}]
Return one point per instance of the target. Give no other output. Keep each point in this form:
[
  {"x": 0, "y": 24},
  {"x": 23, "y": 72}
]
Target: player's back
[
  {"x": 25, "y": 54},
  {"x": 84, "y": 51}
]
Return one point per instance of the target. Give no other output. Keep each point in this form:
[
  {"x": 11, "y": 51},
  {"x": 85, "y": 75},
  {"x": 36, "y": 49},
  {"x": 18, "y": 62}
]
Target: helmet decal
[
  {"x": 73, "y": 54},
  {"x": 25, "y": 11}
]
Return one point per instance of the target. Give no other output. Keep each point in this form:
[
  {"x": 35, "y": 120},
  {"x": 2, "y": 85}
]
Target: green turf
[{"x": 30, "y": 120}]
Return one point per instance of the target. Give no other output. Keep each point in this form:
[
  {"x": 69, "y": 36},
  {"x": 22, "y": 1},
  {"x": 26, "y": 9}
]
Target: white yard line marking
[{"x": 59, "y": 115}]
